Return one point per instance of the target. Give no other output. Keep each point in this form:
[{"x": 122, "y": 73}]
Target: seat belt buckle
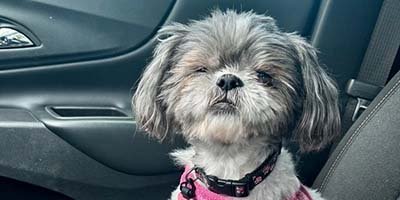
[
  {"x": 361, "y": 105},
  {"x": 363, "y": 92}
]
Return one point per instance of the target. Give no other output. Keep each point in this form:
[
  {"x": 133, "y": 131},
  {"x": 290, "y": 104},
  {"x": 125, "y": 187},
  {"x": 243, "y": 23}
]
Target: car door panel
[
  {"x": 32, "y": 153},
  {"x": 80, "y": 30}
]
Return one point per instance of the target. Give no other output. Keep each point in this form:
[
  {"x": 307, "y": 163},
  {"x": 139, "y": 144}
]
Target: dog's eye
[
  {"x": 265, "y": 78},
  {"x": 201, "y": 70}
]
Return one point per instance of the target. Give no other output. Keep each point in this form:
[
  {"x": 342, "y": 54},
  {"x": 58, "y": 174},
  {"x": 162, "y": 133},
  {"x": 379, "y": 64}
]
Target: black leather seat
[{"x": 366, "y": 163}]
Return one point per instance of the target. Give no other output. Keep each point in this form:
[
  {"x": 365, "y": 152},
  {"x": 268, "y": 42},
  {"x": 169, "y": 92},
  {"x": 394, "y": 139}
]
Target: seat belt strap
[
  {"x": 382, "y": 49},
  {"x": 377, "y": 62}
]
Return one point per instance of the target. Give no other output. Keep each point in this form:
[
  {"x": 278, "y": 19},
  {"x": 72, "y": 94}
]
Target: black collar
[{"x": 242, "y": 187}]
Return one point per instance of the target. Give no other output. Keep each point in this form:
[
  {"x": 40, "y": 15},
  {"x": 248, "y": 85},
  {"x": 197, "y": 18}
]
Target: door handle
[{"x": 12, "y": 38}]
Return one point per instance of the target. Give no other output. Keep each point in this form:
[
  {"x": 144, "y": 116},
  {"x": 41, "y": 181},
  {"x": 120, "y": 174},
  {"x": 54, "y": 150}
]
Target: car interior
[{"x": 68, "y": 71}]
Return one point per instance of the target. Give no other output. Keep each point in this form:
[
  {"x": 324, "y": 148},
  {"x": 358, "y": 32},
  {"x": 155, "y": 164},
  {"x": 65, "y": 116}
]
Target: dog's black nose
[{"x": 229, "y": 81}]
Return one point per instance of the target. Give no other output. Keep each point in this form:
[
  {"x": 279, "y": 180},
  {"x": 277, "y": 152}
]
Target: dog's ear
[
  {"x": 148, "y": 107},
  {"x": 319, "y": 121}
]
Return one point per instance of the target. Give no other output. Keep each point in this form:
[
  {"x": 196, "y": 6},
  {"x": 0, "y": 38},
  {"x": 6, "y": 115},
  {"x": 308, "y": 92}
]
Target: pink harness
[{"x": 203, "y": 193}]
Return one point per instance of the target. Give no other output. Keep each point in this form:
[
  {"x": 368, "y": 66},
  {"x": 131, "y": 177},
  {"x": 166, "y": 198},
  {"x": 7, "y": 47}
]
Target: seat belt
[{"x": 376, "y": 64}]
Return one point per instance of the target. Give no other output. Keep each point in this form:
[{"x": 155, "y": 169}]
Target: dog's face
[{"x": 233, "y": 77}]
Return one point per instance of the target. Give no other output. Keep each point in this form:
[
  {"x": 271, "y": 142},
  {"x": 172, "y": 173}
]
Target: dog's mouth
[
  {"x": 224, "y": 101},
  {"x": 223, "y": 106}
]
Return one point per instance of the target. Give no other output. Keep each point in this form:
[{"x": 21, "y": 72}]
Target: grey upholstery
[{"x": 366, "y": 163}]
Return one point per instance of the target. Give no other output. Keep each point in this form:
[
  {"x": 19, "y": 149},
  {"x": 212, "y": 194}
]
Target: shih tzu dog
[{"x": 236, "y": 87}]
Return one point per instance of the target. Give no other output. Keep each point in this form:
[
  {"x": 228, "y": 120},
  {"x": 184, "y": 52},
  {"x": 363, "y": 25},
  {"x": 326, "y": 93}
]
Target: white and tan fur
[{"x": 283, "y": 94}]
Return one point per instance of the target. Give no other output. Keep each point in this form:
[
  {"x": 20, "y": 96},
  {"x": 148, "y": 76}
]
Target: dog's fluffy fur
[{"x": 285, "y": 94}]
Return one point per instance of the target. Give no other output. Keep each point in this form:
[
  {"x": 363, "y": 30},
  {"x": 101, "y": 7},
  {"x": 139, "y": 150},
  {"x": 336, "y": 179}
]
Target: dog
[{"x": 236, "y": 87}]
